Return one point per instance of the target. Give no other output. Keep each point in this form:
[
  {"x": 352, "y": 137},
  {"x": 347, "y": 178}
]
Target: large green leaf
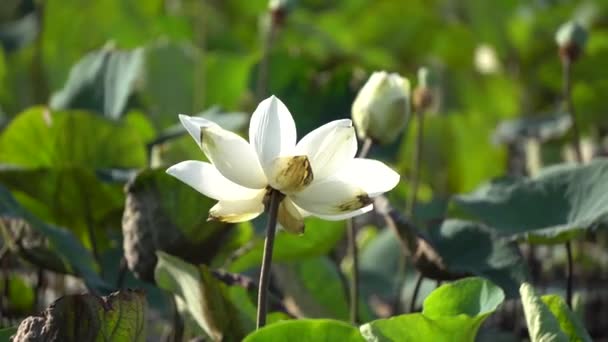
[
  {"x": 162, "y": 213},
  {"x": 305, "y": 330},
  {"x": 318, "y": 239},
  {"x": 553, "y": 206},
  {"x": 549, "y": 318},
  {"x": 101, "y": 82},
  {"x": 198, "y": 79},
  {"x": 469, "y": 247},
  {"x": 19, "y": 297},
  {"x": 6, "y": 333},
  {"x": 47, "y": 245},
  {"x": 119, "y": 317},
  {"x": 68, "y": 197},
  {"x": 315, "y": 286},
  {"x": 205, "y": 298},
  {"x": 39, "y": 137},
  {"x": 453, "y": 312}
]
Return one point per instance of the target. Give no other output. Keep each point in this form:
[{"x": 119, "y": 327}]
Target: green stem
[
  {"x": 264, "y": 67},
  {"x": 273, "y": 210},
  {"x": 567, "y": 83},
  {"x": 411, "y": 203},
  {"x": 415, "y": 294},
  {"x": 353, "y": 251},
  {"x": 354, "y": 280}
]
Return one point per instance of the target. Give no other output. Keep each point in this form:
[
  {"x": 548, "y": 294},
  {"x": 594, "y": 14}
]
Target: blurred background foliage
[{"x": 90, "y": 92}]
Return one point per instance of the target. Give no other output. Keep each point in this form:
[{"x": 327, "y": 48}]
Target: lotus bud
[
  {"x": 571, "y": 38},
  {"x": 423, "y": 93},
  {"x": 381, "y": 109}
]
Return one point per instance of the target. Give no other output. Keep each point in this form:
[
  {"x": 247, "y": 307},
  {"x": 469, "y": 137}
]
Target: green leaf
[
  {"x": 554, "y": 206},
  {"x": 453, "y": 312},
  {"x": 549, "y": 318},
  {"x": 20, "y": 294},
  {"x": 205, "y": 298},
  {"x": 101, "y": 82},
  {"x": 306, "y": 330},
  {"x": 46, "y": 245},
  {"x": 163, "y": 213},
  {"x": 41, "y": 138},
  {"x": 315, "y": 286},
  {"x": 6, "y": 333},
  {"x": 469, "y": 247},
  {"x": 569, "y": 322},
  {"x": 318, "y": 239},
  {"x": 119, "y": 317},
  {"x": 68, "y": 197}
]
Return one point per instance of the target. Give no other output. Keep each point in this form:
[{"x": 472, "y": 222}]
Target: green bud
[
  {"x": 381, "y": 108},
  {"x": 571, "y": 38}
]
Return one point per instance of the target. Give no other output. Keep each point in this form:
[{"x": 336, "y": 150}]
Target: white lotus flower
[{"x": 319, "y": 175}]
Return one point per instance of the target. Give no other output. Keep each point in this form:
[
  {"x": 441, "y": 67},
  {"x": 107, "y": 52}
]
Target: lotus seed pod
[
  {"x": 381, "y": 109},
  {"x": 571, "y": 38}
]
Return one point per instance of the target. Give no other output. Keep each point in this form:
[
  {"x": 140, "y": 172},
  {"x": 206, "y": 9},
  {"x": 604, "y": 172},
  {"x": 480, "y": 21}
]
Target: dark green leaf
[
  {"x": 6, "y": 333},
  {"x": 305, "y": 330},
  {"x": 119, "y": 317},
  {"x": 68, "y": 197},
  {"x": 101, "y": 82},
  {"x": 41, "y": 138},
  {"x": 162, "y": 213},
  {"x": 469, "y": 247},
  {"x": 204, "y": 297},
  {"x": 318, "y": 239},
  {"x": 315, "y": 286},
  {"x": 47, "y": 245},
  {"x": 553, "y": 206}
]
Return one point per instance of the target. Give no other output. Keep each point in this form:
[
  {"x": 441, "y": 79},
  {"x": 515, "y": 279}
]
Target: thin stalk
[
  {"x": 416, "y": 290},
  {"x": 354, "y": 279},
  {"x": 263, "y": 70},
  {"x": 353, "y": 251},
  {"x": 275, "y": 199},
  {"x": 418, "y": 150},
  {"x": 567, "y": 83}
]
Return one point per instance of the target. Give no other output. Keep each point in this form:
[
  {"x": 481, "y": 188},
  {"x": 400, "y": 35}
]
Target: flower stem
[
  {"x": 353, "y": 251},
  {"x": 411, "y": 203},
  {"x": 354, "y": 280},
  {"x": 273, "y": 209},
  {"x": 415, "y": 294},
  {"x": 567, "y": 83}
]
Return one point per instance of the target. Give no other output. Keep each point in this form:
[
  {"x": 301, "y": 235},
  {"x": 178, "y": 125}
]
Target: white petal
[
  {"x": 233, "y": 157},
  {"x": 206, "y": 179},
  {"x": 238, "y": 211},
  {"x": 194, "y": 125},
  {"x": 290, "y": 217},
  {"x": 331, "y": 197},
  {"x": 329, "y": 147},
  {"x": 272, "y": 131},
  {"x": 373, "y": 176},
  {"x": 347, "y": 215}
]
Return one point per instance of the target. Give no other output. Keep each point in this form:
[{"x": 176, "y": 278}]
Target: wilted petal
[
  {"x": 290, "y": 174},
  {"x": 347, "y": 215},
  {"x": 329, "y": 147},
  {"x": 194, "y": 125},
  {"x": 291, "y": 217},
  {"x": 237, "y": 211},
  {"x": 373, "y": 176},
  {"x": 233, "y": 157},
  {"x": 331, "y": 197},
  {"x": 206, "y": 179},
  {"x": 272, "y": 131}
]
